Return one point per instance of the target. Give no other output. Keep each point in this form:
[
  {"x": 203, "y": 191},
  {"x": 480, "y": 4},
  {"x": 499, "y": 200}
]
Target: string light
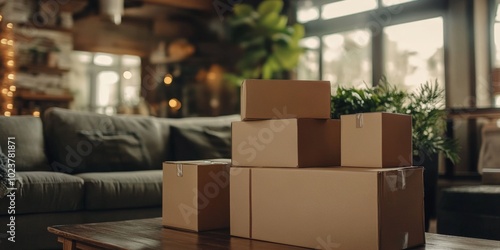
[
  {"x": 10, "y": 42},
  {"x": 10, "y": 63},
  {"x": 10, "y": 53},
  {"x": 4, "y": 91},
  {"x": 10, "y": 76},
  {"x": 12, "y": 88},
  {"x": 10, "y": 94},
  {"x": 7, "y": 56},
  {"x": 7, "y": 113},
  {"x": 10, "y": 25},
  {"x": 1, "y": 17},
  {"x": 10, "y": 106},
  {"x": 3, "y": 41},
  {"x": 168, "y": 79}
]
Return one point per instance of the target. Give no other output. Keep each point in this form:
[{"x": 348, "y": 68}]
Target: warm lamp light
[
  {"x": 12, "y": 88},
  {"x": 7, "y": 113},
  {"x": 10, "y": 76},
  {"x": 168, "y": 79},
  {"x": 36, "y": 113},
  {"x": 10, "y": 106},
  {"x": 10, "y": 25},
  {"x": 174, "y": 104}
]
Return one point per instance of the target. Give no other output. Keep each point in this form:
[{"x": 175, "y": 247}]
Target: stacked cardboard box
[{"x": 375, "y": 201}]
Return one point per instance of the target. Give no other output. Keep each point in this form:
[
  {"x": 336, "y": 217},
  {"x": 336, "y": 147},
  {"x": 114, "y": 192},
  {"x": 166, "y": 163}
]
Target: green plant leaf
[
  {"x": 270, "y": 6},
  {"x": 288, "y": 58},
  {"x": 269, "y": 21},
  {"x": 298, "y": 32},
  {"x": 282, "y": 39},
  {"x": 281, "y": 25},
  {"x": 243, "y": 10}
]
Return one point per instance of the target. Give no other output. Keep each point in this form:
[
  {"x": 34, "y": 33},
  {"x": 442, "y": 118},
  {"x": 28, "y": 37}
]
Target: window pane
[
  {"x": 347, "y": 7},
  {"x": 306, "y": 11},
  {"x": 413, "y": 53},
  {"x": 103, "y": 59},
  {"x": 347, "y": 58},
  {"x": 308, "y": 68},
  {"x": 107, "y": 84},
  {"x": 394, "y": 2}
]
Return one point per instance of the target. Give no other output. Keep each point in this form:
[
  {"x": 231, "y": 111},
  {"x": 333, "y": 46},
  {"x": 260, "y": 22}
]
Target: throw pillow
[
  {"x": 100, "y": 151},
  {"x": 201, "y": 142},
  {"x": 29, "y": 141}
]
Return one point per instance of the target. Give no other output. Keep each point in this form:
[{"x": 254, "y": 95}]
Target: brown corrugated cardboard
[
  {"x": 329, "y": 208},
  {"x": 491, "y": 176},
  {"x": 376, "y": 140},
  {"x": 286, "y": 143},
  {"x": 196, "y": 195},
  {"x": 281, "y": 99}
]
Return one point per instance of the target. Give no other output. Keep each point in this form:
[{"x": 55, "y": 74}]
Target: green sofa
[{"x": 79, "y": 167}]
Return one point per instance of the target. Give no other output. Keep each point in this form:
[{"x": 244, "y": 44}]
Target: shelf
[
  {"x": 42, "y": 69},
  {"x": 43, "y": 27},
  {"x": 44, "y": 97}
]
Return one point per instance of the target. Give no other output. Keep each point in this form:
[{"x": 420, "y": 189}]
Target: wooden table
[{"x": 149, "y": 234}]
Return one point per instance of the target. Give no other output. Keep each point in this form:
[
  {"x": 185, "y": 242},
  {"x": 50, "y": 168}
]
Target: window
[
  {"x": 357, "y": 42},
  {"x": 110, "y": 82},
  {"x": 416, "y": 56}
]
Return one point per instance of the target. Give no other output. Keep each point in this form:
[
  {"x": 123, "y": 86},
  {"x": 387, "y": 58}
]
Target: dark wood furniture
[{"x": 149, "y": 234}]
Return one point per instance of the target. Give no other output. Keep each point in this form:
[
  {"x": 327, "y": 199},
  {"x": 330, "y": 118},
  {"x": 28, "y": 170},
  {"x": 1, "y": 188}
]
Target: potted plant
[
  {"x": 426, "y": 106},
  {"x": 270, "y": 46}
]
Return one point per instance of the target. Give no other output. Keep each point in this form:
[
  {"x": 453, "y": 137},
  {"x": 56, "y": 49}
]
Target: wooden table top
[{"x": 150, "y": 234}]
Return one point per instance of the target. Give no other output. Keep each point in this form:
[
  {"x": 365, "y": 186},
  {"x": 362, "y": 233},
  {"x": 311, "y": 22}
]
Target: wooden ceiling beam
[{"x": 204, "y": 5}]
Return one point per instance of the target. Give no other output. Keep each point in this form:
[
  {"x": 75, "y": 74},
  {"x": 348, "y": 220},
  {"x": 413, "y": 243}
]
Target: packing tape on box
[
  {"x": 359, "y": 120},
  {"x": 180, "y": 171},
  {"x": 396, "y": 181}
]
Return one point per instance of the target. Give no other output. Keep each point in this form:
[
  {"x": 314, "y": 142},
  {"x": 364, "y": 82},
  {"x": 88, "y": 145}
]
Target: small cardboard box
[
  {"x": 286, "y": 143},
  {"x": 491, "y": 176},
  {"x": 282, "y": 99},
  {"x": 376, "y": 140},
  {"x": 196, "y": 195},
  {"x": 329, "y": 208}
]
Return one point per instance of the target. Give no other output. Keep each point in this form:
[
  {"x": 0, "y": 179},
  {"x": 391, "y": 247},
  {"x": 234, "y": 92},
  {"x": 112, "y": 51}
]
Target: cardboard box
[
  {"x": 196, "y": 195},
  {"x": 491, "y": 176},
  {"x": 282, "y": 99},
  {"x": 286, "y": 143},
  {"x": 376, "y": 140},
  {"x": 329, "y": 208}
]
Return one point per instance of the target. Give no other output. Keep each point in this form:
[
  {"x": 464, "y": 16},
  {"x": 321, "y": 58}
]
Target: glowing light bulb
[
  {"x": 127, "y": 74},
  {"x": 10, "y": 25},
  {"x": 10, "y": 42},
  {"x": 5, "y": 91},
  {"x": 174, "y": 104},
  {"x": 10, "y": 106},
  {"x": 10, "y": 76},
  {"x": 3, "y": 41},
  {"x": 7, "y": 113},
  {"x": 12, "y": 88},
  {"x": 10, "y": 63},
  {"x": 10, "y": 53},
  {"x": 1, "y": 17},
  {"x": 36, "y": 113},
  {"x": 168, "y": 79},
  {"x": 10, "y": 94}
]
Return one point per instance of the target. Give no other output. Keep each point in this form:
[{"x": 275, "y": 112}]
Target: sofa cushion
[
  {"x": 79, "y": 142},
  {"x": 201, "y": 142},
  {"x": 29, "y": 141},
  {"x": 132, "y": 189},
  {"x": 40, "y": 192},
  {"x": 194, "y": 138}
]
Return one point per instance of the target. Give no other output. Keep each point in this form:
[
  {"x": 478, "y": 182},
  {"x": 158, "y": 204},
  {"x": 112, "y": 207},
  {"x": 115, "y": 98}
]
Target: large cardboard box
[
  {"x": 286, "y": 143},
  {"x": 281, "y": 99},
  {"x": 196, "y": 195},
  {"x": 329, "y": 208},
  {"x": 376, "y": 140}
]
